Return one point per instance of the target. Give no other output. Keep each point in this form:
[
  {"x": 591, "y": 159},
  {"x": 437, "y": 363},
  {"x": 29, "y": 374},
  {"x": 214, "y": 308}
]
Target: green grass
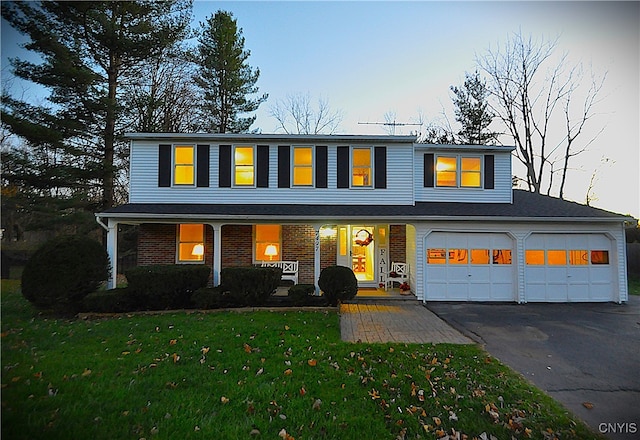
[
  {"x": 634, "y": 284},
  {"x": 222, "y": 375}
]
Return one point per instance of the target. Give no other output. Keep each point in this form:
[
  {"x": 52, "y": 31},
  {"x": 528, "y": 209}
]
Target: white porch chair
[
  {"x": 401, "y": 271},
  {"x": 289, "y": 269}
]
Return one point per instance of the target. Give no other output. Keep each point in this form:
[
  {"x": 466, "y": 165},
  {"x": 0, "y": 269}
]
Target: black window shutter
[
  {"x": 284, "y": 166},
  {"x": 262, "y": 168},
  {"x": 202, "y": 163},
  {"x": 321, "y": 167},
  {"x": 429, "y": 170},
  {"x": 224, "y": 166},
  {"x": 489, "y": 165},
  {"x": 380, "y": 167},
  {"x": 343, "y": 167},
  {"x": 164, "y": 166}
]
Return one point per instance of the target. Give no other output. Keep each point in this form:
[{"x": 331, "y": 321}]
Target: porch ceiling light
[
  {"x": 198, "y": 250},
  {"x": 328, "y": 232}
]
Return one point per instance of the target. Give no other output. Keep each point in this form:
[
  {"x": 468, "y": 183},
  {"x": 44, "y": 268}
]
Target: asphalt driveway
[{"x": 580, "y": 354}]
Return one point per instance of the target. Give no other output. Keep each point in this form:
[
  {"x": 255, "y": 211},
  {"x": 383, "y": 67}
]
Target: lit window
[
  {"x": 244, "y": 166},
  {"x": 446, "y": 171},
  {"x": 534, "y": 257},
  {"x": 599, "y": 257},
  {"x": 268, "y": 243},
  {"x": 479, "y": 256},
  {"x": 557, "y": 257},
  {"x": 303, "y": 166},
  {"x": 436, "y": 256},
  {"x": 501, "y": 256},
  {"x": 190, "y": 243},
  {"x": 578, "y": 257},
  {"x": 183, "y": 161},
  {"x": 470, "y": 172},
  {"x": 458, "y": 256},
  {"x": 361, "y": 167}
]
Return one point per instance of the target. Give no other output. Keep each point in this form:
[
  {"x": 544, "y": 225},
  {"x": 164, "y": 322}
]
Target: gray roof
[{"x": 526, "y": 206}]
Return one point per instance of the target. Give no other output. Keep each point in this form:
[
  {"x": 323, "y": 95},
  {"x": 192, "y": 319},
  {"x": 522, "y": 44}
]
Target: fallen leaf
[
  {"x": 437, "y": 421},
  {"x": 317, "y": 404},
  {"x": 303, "y": 391},
  {"x": 587, "y": 405},
  {"x": 86, "y": 372},
  {"x": 374, "y": 394},
  {"x": 288, "y": 372},
  {"x": 286, "y": 327},
  {"x": 205, "y": 350},
  {"x": 312, "y": 362},
  {"x": 224, "y": 400},
  {"x": 173, "y": 342},
  {"x": 254, "y": 432},
  {"x": 176, "y": 357},
  {"x": 247, "y": 348}
]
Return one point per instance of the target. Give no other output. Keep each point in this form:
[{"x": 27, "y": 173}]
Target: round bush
[
  {"x": 63, "y": 271},
  {"x": 338, "y": 283}
]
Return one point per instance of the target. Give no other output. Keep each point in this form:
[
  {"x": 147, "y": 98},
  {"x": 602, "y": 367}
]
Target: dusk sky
[{"x": 369, "y": 58}]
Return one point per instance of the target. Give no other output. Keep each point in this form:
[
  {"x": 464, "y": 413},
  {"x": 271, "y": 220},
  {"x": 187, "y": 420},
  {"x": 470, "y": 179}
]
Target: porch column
[
  {"x": 316, "y": 256},
  {"x": 112, "y": 252},
  {"x": 217, "y": 252}
]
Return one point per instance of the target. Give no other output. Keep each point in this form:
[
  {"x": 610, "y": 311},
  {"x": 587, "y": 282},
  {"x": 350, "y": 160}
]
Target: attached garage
[
  {"x": 569, "y": 268},
  {"x": 463, "y": 266}
]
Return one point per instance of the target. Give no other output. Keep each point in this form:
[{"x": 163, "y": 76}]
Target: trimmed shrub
[
  {"x": 110, "y": 301},
  {"x": 63, "y": 271},
  {"x": 215, "y": 298},
  {"x": 166, "y": 286},
  {"x": 251, "y": 285},
  {"x": 300, "y": 293},
  {"x": 338, "y": 283}
]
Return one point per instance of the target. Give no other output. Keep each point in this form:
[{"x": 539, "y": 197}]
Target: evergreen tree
[
  {"x": 87, "y": 50},
  {"x": 225, "y": 77},
  {"x": 472, "y": 111}
]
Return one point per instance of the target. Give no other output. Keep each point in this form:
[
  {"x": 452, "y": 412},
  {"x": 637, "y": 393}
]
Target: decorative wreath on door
[{"x": 363, "y": 237}]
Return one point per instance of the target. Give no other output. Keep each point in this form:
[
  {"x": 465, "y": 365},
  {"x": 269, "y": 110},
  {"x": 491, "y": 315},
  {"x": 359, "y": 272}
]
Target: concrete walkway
[{"x": 401, "y": 321}]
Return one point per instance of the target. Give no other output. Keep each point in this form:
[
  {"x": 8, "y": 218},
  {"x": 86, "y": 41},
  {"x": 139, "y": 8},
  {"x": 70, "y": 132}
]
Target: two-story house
[{"x": 449, "y": 211}]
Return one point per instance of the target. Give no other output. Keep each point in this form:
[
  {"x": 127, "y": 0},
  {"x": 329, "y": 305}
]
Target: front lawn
[{"x": 265, "y": 375}]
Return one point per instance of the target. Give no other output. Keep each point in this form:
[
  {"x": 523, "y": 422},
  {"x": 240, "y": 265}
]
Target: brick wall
[
  {"x": 397, "y": 244},
  {"x": 157, "y": 244},
  {"x": 237, "y": 245},
  {"x": 298, "y": 244}
]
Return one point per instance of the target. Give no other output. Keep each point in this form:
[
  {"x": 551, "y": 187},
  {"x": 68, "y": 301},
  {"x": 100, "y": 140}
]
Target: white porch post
[
  {"x": 316, "y": 256},
  {"x": 112, "y": 252},
  {"x": 217, "y": 252}
]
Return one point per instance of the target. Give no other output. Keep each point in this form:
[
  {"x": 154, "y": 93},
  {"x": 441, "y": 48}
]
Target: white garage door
[
  {"x": 568, "y": 267},
  {"x": 469, "y": 267}
]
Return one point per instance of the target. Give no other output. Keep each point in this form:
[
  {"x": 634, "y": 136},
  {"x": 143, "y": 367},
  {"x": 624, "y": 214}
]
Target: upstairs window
[
  {"x": 459, "y": 171},
  {"x": 183, "y": 165},
  {"x": 244, "y": 166},
  {"x": 361, "y": 175},
  {"x": 190, "y": 243},
  {"x": 302, "y": 166},
  {"x": 470, "y": 172}
]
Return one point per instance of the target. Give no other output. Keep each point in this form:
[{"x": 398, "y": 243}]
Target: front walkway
[{"x": 386, "y": 321}]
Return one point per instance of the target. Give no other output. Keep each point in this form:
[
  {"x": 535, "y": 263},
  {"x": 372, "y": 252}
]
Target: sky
[{"x": 369, "y": 58}]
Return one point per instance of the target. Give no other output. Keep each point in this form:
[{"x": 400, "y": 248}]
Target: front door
[{"x": 357, "y": 250}]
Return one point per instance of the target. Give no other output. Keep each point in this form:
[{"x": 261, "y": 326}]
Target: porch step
[{"x": 381, "y": 299}]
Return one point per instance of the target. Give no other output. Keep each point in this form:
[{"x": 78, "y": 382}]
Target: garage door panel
[
  {"x": 470, "y": 273},
  {"x": 586, "y": 274}
]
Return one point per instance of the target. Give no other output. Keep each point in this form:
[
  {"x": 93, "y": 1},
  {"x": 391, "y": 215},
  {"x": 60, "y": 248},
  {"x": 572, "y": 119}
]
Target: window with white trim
[
  {"x": 190, "y": 243},
  {"x": 244, "y": 169},
  {"x": 459, "y": 171},
  {"x": 302, "y": 166},
  {"x": 361, "y": 167},
  {"x": 184, "y": 165}
]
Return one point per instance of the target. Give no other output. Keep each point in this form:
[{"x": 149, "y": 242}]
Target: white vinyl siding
[{"x": 144, "y": 182}]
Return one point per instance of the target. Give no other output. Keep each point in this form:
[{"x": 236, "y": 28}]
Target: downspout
[{"x": 101, "y": 223}]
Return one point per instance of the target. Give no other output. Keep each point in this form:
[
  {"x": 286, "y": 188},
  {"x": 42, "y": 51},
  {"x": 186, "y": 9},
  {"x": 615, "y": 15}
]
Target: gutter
[{"x": 101, "y": 223}]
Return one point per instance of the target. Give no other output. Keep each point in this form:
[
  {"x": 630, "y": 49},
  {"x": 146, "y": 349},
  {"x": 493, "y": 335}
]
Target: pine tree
[
  {"x": 87, "y": 50},
  {"x": 472, "y": 111},
  {"x": 225, "y": 77}
]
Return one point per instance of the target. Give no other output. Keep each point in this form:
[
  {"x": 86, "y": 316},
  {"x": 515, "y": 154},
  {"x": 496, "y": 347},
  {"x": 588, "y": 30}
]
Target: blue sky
[{"x": 369, "y": 58}]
